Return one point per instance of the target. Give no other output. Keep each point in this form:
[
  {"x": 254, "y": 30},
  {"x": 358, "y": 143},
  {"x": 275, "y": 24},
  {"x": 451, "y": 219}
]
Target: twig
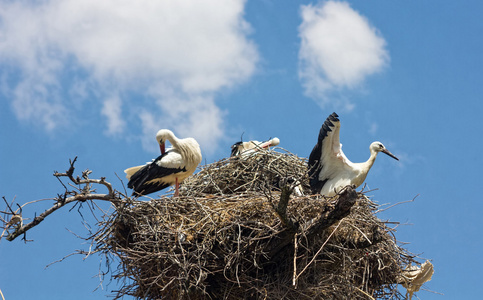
[
  {"x": 295, "y": 247},
  {"x": 63, "y": 258},
  {"x": 63, "y": 200},
  {"x": 37, "y": 220},
  {"x": 318, "y": 252},
  {"x": 402, "y": 202},
  {"x": 365, "y": 293},
  {"x": 8, "y": 205}
]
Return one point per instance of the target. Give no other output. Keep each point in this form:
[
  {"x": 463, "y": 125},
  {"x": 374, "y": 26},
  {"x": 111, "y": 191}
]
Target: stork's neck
[
  {"x": 368, "y": 164},
  {"x": 173, "y": 141},
  {"x": 362, "y": 169}
]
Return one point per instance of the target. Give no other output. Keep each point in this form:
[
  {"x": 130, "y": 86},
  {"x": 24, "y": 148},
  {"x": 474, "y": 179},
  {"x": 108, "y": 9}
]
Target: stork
[
  {"x": 329, "y": 169},
  {"x": 245, "y": 148},
  {"x": 170, "y": 168},
  {"x": 162, "y": 146}
]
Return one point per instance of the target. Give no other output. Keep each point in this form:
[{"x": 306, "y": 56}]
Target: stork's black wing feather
[
  {"x": 139, "y": 180},
  {"x": 235, "y": 148},
  {"x": 314, "y": 166}
]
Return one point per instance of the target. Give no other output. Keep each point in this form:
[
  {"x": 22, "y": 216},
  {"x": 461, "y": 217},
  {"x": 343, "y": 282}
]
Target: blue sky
[{"x": 80, "y": 78}]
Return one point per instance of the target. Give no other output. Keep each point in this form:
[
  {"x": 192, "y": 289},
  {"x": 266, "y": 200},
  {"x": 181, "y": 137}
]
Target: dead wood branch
[
  {"x": 281, "y": 208},
  {"x": 81, "y": 192},
  {"x": 344, "y": 201},
  {"x": 331, "y": 214}
]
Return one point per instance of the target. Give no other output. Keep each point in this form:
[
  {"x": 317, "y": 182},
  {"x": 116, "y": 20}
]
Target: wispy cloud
[
  {"x": 374, "y": 126},
  {"x": 111, "y": 109},
  {"x": 194, "y": 116},
  {"x": 339, "y": 49},
  {"x": 174, "y": 55}
]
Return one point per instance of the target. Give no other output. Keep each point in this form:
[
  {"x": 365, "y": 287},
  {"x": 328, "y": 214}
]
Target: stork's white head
[
  {"x": 162, "y": 136},
  {"x": 275, "y": 142},
  {"x": 379, "y": 147}
]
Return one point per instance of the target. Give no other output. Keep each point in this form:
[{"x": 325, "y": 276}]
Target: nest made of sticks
[{"x": 240, "y": 231}]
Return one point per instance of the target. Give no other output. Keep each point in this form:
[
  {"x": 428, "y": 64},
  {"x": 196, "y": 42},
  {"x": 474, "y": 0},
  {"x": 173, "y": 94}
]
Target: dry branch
[
  {"x": 333, "y": 213},
  {"x": 80, "y": 194}
]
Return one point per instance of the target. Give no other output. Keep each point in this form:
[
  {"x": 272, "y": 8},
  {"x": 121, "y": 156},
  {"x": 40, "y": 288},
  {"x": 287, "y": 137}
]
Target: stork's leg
[{"x": 176, "y": 192}]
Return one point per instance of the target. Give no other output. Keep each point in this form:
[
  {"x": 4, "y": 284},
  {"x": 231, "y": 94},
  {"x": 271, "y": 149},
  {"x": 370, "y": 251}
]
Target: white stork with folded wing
[
  {"x": 170, "y": 168},
  {"x": 329, "y": 169}
]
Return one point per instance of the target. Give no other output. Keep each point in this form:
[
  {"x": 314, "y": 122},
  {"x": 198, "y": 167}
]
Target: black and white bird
[
  {"x": 329, "y": 169},
  {"x": 170, "y": 168},
  {"x": 245, "y": 148}
]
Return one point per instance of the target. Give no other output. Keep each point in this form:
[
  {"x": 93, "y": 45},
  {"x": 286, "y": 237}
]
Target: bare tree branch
[
  {"x": 281, "y": 208},
  {"x": 80, "y": 194},
  {"x": 341, "y": 208}
]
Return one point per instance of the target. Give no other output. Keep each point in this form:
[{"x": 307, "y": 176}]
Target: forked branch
[{"x": 81, "y": 191}]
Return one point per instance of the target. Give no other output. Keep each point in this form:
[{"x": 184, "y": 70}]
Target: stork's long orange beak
[
  {"x": 390, "y": 154},
  {"x": 162, "y": 148}
]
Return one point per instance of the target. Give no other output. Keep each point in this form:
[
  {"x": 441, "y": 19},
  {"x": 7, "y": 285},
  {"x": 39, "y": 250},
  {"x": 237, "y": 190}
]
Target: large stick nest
[{"x": 239, "y": 231}]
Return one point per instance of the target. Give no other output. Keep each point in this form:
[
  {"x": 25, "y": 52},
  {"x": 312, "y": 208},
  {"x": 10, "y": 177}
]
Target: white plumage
[
  {"x": 245, "y": 148},
  {"x": 329, "y": 169},
  {"x": 170, "y": 168}
]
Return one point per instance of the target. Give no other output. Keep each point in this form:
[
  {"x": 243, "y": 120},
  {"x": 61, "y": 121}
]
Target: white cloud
[
  {"x": 339, "y": 49},
  {"x": 373, "y": 128},
  {"x": 111, "y": 109},
  {"x": 38, "y": 103},
  {"x": 190, "y": 48},
  {"x": 197, "y": 117}
]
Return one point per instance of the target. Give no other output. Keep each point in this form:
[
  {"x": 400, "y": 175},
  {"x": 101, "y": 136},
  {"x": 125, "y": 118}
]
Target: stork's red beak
[
  {"x": 162, "y": 148},
  {"x": 390, "y": 154}
]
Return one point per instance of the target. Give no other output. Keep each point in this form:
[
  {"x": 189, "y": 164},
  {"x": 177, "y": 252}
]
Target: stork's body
[
  {"x": 245, "y": 148},
  {"x": 170, "y": 168},
  {"x": 329, "y": 169}
]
